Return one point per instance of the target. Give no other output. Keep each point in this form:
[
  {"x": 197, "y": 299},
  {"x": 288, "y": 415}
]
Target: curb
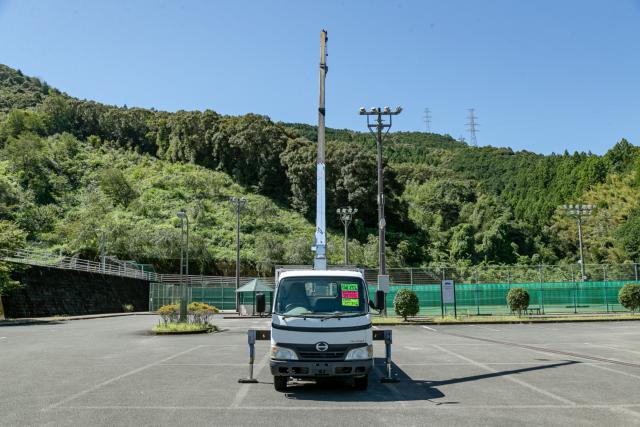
[
  {"x": 36, "y": 320},
  {"x": 203, "y": 331},
  {"x": 505, "y": 322}
]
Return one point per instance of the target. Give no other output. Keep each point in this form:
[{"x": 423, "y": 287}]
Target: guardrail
[{"x": 44, "y": 259}]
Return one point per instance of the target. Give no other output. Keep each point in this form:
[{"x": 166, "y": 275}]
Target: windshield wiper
[
  {"x": 303, "y": 315},
  {"x": 337, "y": 314}
]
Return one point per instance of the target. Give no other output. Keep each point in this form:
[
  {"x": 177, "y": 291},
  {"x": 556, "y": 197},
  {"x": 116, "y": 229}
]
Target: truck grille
[{"x": 309, "y": 352}]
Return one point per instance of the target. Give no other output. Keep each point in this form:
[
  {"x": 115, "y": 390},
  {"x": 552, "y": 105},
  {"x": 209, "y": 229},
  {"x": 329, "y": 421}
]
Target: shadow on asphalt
[{"x": 406, "y": 389}]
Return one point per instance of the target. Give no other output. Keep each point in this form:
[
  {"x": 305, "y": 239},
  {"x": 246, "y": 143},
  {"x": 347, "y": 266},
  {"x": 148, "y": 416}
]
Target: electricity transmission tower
[
  {"x": 427, "y": 120},
  {"x": 472, "y": 126}
]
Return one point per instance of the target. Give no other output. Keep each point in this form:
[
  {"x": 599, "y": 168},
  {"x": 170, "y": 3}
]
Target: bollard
[{"x": 251, "y": 338}]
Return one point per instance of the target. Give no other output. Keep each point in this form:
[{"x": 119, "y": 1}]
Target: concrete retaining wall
[{"x": 50, "y": 292}]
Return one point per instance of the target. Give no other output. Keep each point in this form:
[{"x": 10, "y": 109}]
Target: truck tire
[
  {"x": 361, "y": 383},
  {"x": 280, "y": 383}
]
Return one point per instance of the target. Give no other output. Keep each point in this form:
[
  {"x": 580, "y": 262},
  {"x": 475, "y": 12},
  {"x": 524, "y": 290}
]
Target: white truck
[{"x": 321, "y": 326}]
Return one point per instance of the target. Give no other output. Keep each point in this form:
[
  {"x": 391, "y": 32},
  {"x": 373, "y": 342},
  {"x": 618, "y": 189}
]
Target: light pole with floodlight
[
  {"x": 346, "y": 215},
  {"x": 578, "y": 212},
  {"x": 184, "y": 264},
  {"x": 239, "y": 205}
]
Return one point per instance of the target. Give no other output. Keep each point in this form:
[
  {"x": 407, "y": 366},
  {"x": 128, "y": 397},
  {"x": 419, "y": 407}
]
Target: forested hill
[{"x": 73, "y": 170}]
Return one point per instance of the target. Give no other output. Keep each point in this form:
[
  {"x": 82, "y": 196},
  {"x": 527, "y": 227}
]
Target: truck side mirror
[
  {"x": 261, "y": 303},
  {"x": 380, "y": 300},
  {"x": 372, "y": 305}
]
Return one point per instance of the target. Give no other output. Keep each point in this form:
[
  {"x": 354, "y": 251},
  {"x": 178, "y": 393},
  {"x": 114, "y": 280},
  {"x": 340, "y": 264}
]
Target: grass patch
[
  {"x": 500, "y": 319},
  {"x": 183, "y": 328}
]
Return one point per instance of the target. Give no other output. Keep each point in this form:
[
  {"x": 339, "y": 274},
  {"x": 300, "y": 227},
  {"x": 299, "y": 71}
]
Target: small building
[{"x": 247, "y": 296}]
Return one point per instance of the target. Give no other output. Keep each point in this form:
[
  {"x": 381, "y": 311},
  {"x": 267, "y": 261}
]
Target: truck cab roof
[{"x": 320, "y": 273}]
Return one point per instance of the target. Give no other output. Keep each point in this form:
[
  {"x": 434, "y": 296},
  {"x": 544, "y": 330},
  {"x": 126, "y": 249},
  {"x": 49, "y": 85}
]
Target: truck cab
[{"x": 321, "y": 326}]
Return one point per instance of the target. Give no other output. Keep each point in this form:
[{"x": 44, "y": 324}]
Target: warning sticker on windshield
[{"x": 349, "y": 295}]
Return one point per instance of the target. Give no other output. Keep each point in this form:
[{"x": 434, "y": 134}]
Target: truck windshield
[{"x": 320, "y": 296}]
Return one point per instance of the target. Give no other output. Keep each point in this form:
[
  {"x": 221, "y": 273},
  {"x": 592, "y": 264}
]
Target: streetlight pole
[
  {"x": 239, "y": 204},
  {"x": 184, "y": 265},
  {"x": 578, "y": 212},
  {"x": 346, "y": 215},
  {"x": 376, "y": 127}
]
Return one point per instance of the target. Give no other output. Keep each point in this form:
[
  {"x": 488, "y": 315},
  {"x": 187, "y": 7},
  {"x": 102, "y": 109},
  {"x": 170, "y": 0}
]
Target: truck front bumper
[{"x": 299, "y": 369}]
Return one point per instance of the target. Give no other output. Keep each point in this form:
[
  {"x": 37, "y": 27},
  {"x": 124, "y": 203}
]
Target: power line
[
  {"x": 427, "y": 119},
  {"x": 472, "y": 126}
]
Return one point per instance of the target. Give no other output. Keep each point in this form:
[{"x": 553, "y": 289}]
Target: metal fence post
[
  {"x": 635, "y": 268},
  {"x": 477, "y": 293},
  {"x": 541, "y": 290},
  {"x": 604, "y": 276}
]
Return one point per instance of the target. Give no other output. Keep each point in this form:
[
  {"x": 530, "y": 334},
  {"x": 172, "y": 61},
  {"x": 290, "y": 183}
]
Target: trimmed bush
[
  {"x": 406, "y": 303},
  {"x": 200, "y": 312},
  {"x": 629, "y": 296},
  {"x": 518, "y": 300},
  {"x": 169, "y": 313}
]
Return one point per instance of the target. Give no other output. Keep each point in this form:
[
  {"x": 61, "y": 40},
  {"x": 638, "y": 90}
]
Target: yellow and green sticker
[{"x": 350, "y": 297}]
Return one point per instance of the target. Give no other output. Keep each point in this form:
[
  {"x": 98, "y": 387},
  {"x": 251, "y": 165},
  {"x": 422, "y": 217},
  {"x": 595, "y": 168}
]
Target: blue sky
[{"x": 542, "y": 75}]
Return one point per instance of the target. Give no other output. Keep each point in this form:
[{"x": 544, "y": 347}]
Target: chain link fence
[{"x": 480, "y": 290}]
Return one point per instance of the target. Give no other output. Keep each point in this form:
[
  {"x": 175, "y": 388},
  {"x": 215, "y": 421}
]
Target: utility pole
[
  {"x": 376, "y": 127},
  {"x": 427, "y": 119},
  {"x": 320, "y": 240},
  {"x": 239, "y": 205},
  {"x": 346, "y": 215},
  {"x": 472, "y": 126},
  {"x": 184, "y": 265},
  {"x": 578, "y": 212}
]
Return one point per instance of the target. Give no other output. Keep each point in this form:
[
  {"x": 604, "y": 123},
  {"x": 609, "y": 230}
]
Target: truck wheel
[
  {"x": 361, "y": 383},
  {"x": 280, "y": 383}
]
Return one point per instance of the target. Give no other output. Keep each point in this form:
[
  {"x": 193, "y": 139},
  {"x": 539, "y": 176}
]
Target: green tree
[
  {"x": 629, "y": 296},
  {"x": 11, "y": 238},
  {"x": 518, "y": 300},
  {"x": 115, "y": 185},
  {"x": 406, "y": 303}
]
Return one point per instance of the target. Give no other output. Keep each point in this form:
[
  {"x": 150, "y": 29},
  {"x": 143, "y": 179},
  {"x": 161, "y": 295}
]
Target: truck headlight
[
  {"x": 360, "y": 353},
  {"x": 283, "y": 353}
]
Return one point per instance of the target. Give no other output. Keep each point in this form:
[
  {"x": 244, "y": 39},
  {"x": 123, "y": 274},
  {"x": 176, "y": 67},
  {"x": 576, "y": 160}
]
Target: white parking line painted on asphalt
[
  {"x": 119, "y": 377},
  {"x": 507, "y": 377},
  {"x": 351, "y": 408},
  {"x": 613, "y": 348},
  {"x": 606, "y": 368},
  {"x": 244, "y": 388},
  {"x": 431, "y": 329},
  {"x": 483, "y": 327}
]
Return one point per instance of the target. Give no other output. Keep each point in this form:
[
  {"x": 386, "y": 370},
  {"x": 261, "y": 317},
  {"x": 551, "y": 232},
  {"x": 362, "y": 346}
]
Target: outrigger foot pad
[{"x": 248, "y": 380}]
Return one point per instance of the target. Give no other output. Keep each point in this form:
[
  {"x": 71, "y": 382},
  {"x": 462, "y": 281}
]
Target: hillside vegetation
[{"x": 72, "y": 171}]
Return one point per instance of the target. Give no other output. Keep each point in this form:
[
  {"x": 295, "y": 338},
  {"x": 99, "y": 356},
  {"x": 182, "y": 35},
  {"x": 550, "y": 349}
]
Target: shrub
[
  {"x": 629, "y": 296},
  {"x": 518, "y": 300},
  {"x": 169, "y": 313},
  {"x": 127, "y": 308},
  {"x": 200, "y": 312},
  {"x": 406, "y": 303}
]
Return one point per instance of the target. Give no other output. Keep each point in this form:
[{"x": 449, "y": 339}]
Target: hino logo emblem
[{"x": 322, "y": 346}]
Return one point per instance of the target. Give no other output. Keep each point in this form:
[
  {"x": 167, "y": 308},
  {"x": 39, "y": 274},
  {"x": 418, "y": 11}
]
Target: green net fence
[
  {"x": 491, "y": 298},
  {"x": 471, "y": 299}
]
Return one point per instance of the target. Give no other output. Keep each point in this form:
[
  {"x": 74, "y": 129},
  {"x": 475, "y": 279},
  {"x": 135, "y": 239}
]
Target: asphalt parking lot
[{"x": 113, "y": 372}]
